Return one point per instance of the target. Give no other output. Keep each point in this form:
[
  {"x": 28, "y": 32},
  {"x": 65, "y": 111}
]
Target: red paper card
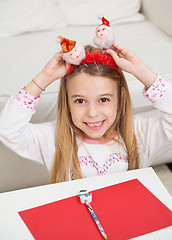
[{"x": 125, "y": 210}]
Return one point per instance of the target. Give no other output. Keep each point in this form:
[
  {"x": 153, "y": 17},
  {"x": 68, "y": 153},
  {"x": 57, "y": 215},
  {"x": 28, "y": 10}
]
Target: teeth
[{"x": 94, "y": 124}]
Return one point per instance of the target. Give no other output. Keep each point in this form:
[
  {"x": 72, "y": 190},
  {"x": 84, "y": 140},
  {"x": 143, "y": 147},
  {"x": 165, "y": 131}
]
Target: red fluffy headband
[{"x": 97, "y": 57}]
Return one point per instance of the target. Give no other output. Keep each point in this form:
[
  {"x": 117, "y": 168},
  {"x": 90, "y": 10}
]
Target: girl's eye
[
  {"x": 71, "y": 54},
  {"x": 75, "y": 50},
  {"x": 104, "y": 100},
  {"x": 80, "y": 101},
  {"x": 103, "y": 29},
  {"x": 98, "y": 30}
]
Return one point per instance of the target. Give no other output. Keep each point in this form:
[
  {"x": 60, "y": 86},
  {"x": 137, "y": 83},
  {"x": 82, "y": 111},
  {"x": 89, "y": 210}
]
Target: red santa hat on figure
[
  {"x": 73, "y": 52},
  {"x": 104, "y": 34}
]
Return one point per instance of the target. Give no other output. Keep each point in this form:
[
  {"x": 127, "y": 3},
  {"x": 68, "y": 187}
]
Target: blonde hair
[{"x": 66, "y": 156}]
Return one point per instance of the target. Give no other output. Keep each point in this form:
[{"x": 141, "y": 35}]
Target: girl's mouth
[{"x": 95, "y": 125}]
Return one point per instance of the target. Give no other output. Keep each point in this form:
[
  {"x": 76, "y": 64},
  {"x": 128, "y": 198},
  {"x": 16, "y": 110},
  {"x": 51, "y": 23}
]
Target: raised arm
[
  {"x": 154, "y": 134},
  {"x": 32, "y": 141}
]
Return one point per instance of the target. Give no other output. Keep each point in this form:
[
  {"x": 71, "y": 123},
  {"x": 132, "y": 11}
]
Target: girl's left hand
[
  {"x": 129, "y": 62},
  {"x": 124, "y": 58}
]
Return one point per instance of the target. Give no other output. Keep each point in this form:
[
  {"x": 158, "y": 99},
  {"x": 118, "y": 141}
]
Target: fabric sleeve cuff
[
  {"x": 25, "y": 100},
  {"x": 157, "y": 89}
]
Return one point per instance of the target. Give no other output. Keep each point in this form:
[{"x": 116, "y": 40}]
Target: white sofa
[{"x": 28, "y": 32}]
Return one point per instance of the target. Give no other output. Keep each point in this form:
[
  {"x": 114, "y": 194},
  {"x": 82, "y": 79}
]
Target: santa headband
[
  {"x": 76, "y": 55},
  {"x": 97, "y": 57}
]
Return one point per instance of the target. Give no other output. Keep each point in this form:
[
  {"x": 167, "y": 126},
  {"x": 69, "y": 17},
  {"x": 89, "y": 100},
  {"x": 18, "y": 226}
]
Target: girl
[{"x": 95, "y": 132}]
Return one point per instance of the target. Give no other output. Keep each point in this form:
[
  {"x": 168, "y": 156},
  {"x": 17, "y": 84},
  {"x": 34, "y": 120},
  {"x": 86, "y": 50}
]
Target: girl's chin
[
  {"x": 92, "y": 132},
  {"x": 94, "y": 136}
]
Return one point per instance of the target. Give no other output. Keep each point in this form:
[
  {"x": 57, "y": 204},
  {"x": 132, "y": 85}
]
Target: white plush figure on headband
[
  {"x": 104, "y": 34},
  {"x": 73, "y": 52}
]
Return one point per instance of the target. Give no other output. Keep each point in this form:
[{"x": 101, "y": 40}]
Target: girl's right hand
[{"x": 56, "y": 68}]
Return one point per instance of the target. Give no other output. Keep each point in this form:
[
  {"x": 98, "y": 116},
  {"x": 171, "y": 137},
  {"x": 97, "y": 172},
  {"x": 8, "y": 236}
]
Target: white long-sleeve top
[{"x": 37, "y": 141}]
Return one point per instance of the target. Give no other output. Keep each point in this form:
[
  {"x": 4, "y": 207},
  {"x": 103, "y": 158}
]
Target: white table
[{"x": 12, "y": 226}]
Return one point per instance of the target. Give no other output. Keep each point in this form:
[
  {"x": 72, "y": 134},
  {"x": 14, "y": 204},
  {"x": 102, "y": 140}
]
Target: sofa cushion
[
  {"x": 21, "y": 16},
  {"x": 81, "y": 12},
  {"x": 159, "y": 12}
]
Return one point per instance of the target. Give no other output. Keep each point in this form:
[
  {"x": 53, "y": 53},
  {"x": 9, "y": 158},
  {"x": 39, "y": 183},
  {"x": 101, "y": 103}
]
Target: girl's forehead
[{"x": 86, "y": 81}]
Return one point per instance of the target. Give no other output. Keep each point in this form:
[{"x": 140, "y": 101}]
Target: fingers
[
  {"x": 114, "y": 55},
  {"x": 67, "y": 65},
  {"x": 58, "y": 56},
  {"x": 124, "y": 52},
  {"x": 117, "y": 46},
  {"x": 121, "y": 51}
]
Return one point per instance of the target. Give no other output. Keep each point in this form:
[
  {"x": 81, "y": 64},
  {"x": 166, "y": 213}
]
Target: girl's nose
[{"x": 92, "y": 111}]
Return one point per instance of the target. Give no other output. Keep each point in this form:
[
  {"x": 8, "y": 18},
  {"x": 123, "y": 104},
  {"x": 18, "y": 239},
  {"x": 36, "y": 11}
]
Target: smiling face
[{"x": 93, "y": 104}]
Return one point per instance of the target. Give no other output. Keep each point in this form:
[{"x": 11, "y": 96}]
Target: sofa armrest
[{"x": 159, "y": 12}]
